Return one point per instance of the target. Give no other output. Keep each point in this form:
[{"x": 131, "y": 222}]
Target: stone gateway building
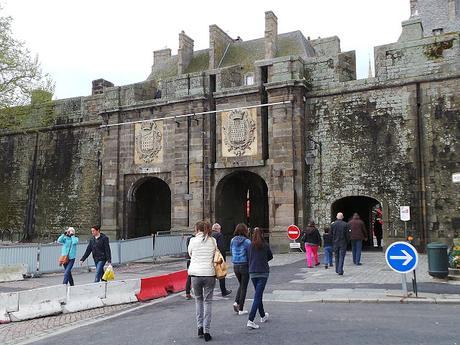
[{"x": 270, "y": 132}]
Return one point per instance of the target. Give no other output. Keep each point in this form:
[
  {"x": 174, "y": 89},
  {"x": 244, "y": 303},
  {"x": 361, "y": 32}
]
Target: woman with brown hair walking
[{"x": 259, "y": 254}]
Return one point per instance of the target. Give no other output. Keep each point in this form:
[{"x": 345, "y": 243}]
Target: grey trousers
[{"x": 203, "y": 288}]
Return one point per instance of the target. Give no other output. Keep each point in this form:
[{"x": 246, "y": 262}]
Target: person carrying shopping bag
[
  {"x": 98, "y": 246},
  {"x": 68, "y": 253}
]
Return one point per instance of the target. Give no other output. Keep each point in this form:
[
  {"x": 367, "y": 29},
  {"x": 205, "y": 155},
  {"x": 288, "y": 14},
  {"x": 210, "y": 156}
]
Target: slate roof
[{"x": 243, "y": 53}]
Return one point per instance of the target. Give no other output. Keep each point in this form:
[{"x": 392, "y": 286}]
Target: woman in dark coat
[{"x": 259, "y": 254}]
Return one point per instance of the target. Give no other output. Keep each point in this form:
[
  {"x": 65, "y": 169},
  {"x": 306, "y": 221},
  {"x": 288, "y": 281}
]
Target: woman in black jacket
[
  {"x": 259, "y": 254},
  {"x": 312, "y": 240}
]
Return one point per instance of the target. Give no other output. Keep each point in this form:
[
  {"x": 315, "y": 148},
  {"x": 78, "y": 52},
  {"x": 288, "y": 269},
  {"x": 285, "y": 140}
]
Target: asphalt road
[{"x": 172, "y": 321}]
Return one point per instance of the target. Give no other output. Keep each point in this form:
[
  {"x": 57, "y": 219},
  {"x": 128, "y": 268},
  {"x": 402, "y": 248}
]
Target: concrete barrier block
[
  {"x": 122, "y": 291},
  {"x": 9, "y": 302},
  {"x": 39, "y": 302},
  {"x": 9, "y": 273},
  {"x": 83, "y": 297}
]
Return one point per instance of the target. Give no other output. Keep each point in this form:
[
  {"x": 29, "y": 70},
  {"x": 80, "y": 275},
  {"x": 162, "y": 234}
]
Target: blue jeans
[
  {"x": 328, "y": 255},
  {"x": 356, "y": 246},
  {"x": 99, "y": 270},
  {"x": 259, "y": 287},
  {"x": 339, "y": 259},
  {"x": 68, "y": 272}
]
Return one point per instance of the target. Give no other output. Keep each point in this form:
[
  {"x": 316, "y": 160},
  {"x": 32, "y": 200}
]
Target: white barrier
[
  {"x": 9, "y": 302},
  {"x": 9, "y": 273},
  {"x": 83, "y": 297},
  {"x": 39, "y": 302},
  {"x": 122, "y": 291}
]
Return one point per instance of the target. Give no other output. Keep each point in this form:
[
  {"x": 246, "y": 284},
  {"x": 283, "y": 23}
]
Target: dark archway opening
[
  {"x": 364, "y": 206},
  {"x": 241, "y": 197},
  {"x": 151, "y": 208}
]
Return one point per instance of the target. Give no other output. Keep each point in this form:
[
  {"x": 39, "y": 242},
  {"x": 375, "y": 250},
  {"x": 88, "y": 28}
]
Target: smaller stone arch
[
  {"x": 364, "y": 205},
  {"x": 149, "y": 207}
]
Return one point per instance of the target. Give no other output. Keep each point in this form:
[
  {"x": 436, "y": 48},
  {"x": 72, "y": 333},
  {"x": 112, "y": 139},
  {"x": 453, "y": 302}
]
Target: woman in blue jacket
[
  {"x": 239, "y": 247},
  {"x": 69, "y": 247},
  {"x": 259, "y": 254}
]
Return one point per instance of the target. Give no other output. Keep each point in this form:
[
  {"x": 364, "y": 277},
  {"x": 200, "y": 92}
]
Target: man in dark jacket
[
  {"x": 340, "y": 238},
  {"x": 358, "y": 234},
  {"x": 98, "y": 246},
  {"x": 217, "y": 234}
]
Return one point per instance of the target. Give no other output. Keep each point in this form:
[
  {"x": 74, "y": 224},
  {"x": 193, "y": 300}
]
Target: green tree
[{"x": 21, "y": 77}]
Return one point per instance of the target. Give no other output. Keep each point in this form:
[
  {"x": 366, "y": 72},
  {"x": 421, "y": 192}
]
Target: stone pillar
[
  {"x": 161, "y": 56},
  {"x": 99, "y": 85},
  {"x": 218, "y": 43},
  {"x": 271, "y": 35},
  {"x": 185, "y": 52},
  {"x": 413, "y": 8}
]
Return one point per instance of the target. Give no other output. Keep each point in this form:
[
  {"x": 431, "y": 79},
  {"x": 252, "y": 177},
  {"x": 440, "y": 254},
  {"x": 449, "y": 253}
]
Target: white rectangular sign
[
  {"x": 404, "y": 213},
  {"x": 294, "y": 245},
  {"x": 456, "y": 178}
]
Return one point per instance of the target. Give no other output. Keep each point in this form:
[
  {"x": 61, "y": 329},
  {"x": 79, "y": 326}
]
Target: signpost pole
[{"x": 404, "y": 284}]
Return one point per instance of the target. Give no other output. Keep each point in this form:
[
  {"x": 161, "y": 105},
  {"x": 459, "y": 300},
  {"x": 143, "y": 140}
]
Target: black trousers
[
  {"x": 188, "y": 284},
  {"x": 223, "y": 289},
  {"x": 242, "y": 274}
]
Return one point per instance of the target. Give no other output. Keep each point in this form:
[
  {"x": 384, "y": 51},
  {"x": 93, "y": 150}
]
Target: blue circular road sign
[{"x": 402, "y": 257}]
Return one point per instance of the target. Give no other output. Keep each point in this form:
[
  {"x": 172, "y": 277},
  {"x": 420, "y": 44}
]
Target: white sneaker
[
  {"x": 252, "y": 324},
  {"x": 265, "y": 318},
  {"x": 242, "y": 312}
]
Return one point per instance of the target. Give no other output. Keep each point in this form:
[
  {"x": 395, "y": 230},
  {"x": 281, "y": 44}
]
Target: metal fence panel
[
  {"x": 11, "y": 255},
  {"x": 115, "y": 252},
  {"x": 81, "y": 247},
  {"x": 49, "y": 256},
  {"x": 170, "y": 245},
  {"x": 136, "y": 248}
]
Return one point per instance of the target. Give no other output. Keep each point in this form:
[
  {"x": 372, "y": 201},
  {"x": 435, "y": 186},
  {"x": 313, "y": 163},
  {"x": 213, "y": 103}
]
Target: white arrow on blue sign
[{"x": 402, "y": 257}]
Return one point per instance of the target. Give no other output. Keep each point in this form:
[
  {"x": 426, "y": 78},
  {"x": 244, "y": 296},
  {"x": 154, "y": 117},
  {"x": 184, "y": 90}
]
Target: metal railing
[{"x": 43, "y": 258}]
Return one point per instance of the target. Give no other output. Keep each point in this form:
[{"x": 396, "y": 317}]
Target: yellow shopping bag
[{"x": 109, "y": 274}]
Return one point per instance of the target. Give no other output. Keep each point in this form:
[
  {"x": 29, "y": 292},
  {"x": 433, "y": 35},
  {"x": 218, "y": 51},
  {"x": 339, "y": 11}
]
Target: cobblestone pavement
[
  {"x": 373, "y": 270},
  {"x": 16, "y": 332}
]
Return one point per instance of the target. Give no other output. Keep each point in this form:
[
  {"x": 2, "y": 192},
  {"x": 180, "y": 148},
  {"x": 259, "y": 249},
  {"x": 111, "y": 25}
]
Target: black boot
[
  {"x": 207, "y": 337},
  {"x": 200, "y": 332}
]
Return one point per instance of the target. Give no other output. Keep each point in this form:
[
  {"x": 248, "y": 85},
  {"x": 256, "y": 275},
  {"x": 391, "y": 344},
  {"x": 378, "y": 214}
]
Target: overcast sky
[{"x": 81, "y": 40}]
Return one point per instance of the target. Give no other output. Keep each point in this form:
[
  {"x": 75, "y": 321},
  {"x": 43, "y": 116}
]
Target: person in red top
[{"x": 358, "y": 234}]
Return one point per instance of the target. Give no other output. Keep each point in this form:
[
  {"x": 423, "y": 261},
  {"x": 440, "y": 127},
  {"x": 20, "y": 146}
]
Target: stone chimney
[
  {"x": 185, "y": 52},
  {"x": 99, "y": 85},
  {"x": 271, "y": 35},
  {"x": 161, "y": 56},
  {"x": 218, "y": 43}
]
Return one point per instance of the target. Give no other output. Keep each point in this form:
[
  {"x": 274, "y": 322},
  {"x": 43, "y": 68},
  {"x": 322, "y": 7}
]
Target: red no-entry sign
[{"x": 293, "y": 232}]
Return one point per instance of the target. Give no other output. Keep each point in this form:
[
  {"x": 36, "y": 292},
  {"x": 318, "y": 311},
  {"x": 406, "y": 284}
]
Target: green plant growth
[{"x": 21, "y": 79}]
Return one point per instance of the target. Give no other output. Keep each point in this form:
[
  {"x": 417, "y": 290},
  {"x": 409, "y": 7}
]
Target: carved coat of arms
[
  {"x": 148, "y": 141},
  {"x": 239, "y": 131}
]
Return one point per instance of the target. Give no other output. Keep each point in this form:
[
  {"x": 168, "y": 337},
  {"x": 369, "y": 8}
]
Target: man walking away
[
  {"x": 358, "y": 234},
  {"x": 217, "y": 234},
  {"x": 98, "y": 246},
  {"x": 340, "y": 238}
]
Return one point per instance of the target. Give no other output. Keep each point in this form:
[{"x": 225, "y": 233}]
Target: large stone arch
[{"x": 231, "y": 202}]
